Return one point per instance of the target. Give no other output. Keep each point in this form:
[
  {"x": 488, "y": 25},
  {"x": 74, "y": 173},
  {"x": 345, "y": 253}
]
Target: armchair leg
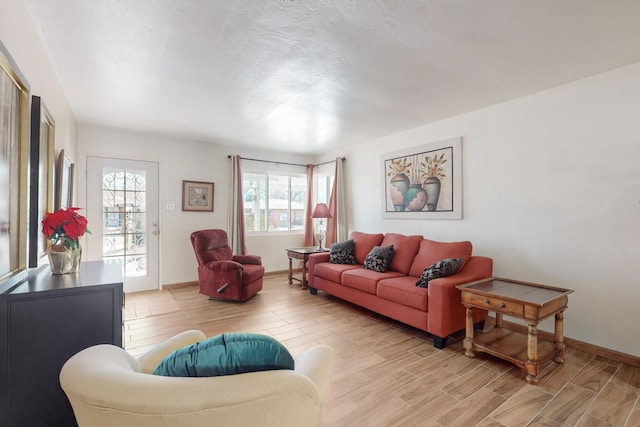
[{"x": 222, "y": 288}]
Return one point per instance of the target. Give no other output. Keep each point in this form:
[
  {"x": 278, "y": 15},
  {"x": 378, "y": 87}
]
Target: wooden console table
[
  {"x": 529, "y": 301},
  {"x": 303, "y": 255}
]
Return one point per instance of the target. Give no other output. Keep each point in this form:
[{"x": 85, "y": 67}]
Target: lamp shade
[{"x": 321, "y": 211}]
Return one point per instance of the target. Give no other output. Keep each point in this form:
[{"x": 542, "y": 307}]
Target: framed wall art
[
  {"x": 197, "y": 196},
  {"x": 41, "y": 172},
  {"x": 64, "y": 182},
  {"x": 14, "y": 153},
  {"x": 424, "y": 182}
]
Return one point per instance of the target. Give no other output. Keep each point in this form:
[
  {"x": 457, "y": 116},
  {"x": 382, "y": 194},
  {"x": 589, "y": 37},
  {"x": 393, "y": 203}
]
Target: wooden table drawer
[
  {"x": 295, "y": 255},
  {"x": 494, "y": 304}
]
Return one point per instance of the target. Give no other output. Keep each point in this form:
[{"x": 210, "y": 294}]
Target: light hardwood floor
[{"x": 389, "y": 374}]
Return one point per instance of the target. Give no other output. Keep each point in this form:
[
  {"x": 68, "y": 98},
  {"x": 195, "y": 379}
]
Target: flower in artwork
[
  {"x": 398, "y": 166},
  {"x": 433, "y": 166}
]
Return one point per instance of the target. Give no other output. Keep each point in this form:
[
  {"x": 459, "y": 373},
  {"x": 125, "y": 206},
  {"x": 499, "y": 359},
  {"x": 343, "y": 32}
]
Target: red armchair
[{"x": 221, "y": 274}]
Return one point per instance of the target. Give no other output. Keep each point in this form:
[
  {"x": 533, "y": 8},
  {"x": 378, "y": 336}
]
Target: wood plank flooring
[{"x": 389, "y": 374}]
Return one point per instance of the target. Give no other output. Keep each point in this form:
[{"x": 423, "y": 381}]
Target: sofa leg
[
  {"x": 439, "y": 342},
  {"x": 313, "y": 291},
  {"x": 478, "y": 326}
]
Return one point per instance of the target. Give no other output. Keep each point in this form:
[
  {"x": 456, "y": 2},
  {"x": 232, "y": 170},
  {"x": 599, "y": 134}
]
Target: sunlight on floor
[{"x": 152, "y": 303}]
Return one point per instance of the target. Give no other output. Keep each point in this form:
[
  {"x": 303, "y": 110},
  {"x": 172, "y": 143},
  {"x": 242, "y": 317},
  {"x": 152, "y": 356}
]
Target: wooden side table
[
  {"x": 303, "y": 255},
  {"x": 529, "y": 301}
]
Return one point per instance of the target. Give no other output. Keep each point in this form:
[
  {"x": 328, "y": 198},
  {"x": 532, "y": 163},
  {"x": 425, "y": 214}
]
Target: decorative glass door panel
[{"x": 124, "y": 221}]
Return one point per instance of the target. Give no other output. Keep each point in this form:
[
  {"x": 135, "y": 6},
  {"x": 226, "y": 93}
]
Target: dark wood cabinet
[{"x": 46, "y": 320}]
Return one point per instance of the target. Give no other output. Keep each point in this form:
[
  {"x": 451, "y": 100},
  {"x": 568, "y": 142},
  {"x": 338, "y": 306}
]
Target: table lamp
[{"x": 321, "y": 211}]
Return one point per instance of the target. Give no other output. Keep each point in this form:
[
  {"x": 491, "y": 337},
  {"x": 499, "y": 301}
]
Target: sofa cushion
[
  {"x": 405, "y": 249},
  {"x": 443, "y": 268},
  {"x": 333, "y": 272},
  {"x": 403, "y": 290},
  {"x": 431, "y": 251},
  {"x": 379, "y": 258},
  {"x": 226, "y": 354},
  {"x": 342, "y": 253},
  {"x": 363, "y": 243},
  {"x": 366, "y": 280}
]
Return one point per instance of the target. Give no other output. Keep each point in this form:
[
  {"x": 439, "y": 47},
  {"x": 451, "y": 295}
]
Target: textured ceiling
[{"x": 309, "y": 76}]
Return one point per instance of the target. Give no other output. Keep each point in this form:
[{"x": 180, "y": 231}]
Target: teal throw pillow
[
  {"x": 379, "y": 258},
  {"x": 443, "y": 268},
  {"x": 226, "y": 354},
  {"x": 342, "y": 253}
]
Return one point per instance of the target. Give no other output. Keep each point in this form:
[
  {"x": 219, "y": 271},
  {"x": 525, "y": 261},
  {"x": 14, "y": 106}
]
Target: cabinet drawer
[{"x": 494, "y": 304}]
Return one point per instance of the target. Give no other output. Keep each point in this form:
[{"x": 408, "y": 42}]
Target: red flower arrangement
[{"x": 64, "y": 227}]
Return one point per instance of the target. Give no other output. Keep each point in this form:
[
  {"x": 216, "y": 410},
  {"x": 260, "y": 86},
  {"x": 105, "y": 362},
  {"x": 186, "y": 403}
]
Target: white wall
[
  {"x": 21, "y": 39},
  {"x": 551, "y": 190},
  {"x": 179, "y": 160}
]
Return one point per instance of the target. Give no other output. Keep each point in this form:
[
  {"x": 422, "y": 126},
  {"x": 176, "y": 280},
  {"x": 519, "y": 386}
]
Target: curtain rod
[
  {"x": 285, "y": 163},
  {"x": 330, "y": 161}
]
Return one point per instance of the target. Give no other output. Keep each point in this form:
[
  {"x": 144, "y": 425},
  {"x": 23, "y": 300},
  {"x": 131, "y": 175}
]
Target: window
[
  {"x": 324, "y": 185},
  {"x": 274, "y": 201}
]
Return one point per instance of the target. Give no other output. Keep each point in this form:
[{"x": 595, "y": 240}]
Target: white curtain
[
  {"x": 337, "y": 225},
  {"x": 308, "y": 221},
  {"x": 235, "y": 226}
]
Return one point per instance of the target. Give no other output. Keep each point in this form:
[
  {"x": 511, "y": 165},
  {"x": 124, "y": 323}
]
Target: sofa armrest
[
  {"x": 248, "y": 259},
  {"x": 316, "y": 364},
  {"x": 446, "y": 312},
  {"x": 311, "y": 265},
  {"x": 150, "y": 359}
]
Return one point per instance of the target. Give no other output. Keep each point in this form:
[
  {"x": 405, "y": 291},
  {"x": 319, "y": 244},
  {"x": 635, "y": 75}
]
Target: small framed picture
[{"x": 197, "y": 196}]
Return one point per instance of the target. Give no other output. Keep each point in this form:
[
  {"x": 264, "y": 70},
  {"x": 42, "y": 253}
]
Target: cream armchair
[{"x": 108, "y": 387}]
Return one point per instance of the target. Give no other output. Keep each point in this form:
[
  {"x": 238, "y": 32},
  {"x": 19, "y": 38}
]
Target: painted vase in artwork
[
  {"x": 431, "y": 187},
  {"x": 415, "y": 198},
  {"x": 397, "y": 189}
]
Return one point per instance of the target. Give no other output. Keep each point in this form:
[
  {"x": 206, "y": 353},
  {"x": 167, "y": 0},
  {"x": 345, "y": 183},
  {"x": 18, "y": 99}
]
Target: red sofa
[{"x": 437, "y": 309}]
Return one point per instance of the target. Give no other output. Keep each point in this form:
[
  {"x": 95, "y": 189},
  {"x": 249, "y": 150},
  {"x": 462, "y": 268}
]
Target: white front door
[{"x": 122, "y": 210}]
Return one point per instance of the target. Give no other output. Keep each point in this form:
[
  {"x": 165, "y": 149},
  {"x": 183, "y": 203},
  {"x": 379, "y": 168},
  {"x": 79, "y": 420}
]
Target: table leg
[
  {"x": 532, "y": 365},
  {"x": 304, "y": 274},
  {"x": 498, "y": 320},
  {"x": 559, "y": 338},
  {"x": 468, "y": 339},
  {"x": 290, "y": 270}
]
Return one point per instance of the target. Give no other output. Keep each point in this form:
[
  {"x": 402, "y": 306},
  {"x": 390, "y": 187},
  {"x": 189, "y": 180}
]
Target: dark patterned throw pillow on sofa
[
  {"x": 379, "y": 258},
  {"x": 443, "y": 268},
  {"x": 342, "y": 253}
]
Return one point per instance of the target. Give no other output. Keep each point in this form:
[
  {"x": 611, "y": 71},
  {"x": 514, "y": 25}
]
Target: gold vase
[{"x": 63, "y": 260}]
